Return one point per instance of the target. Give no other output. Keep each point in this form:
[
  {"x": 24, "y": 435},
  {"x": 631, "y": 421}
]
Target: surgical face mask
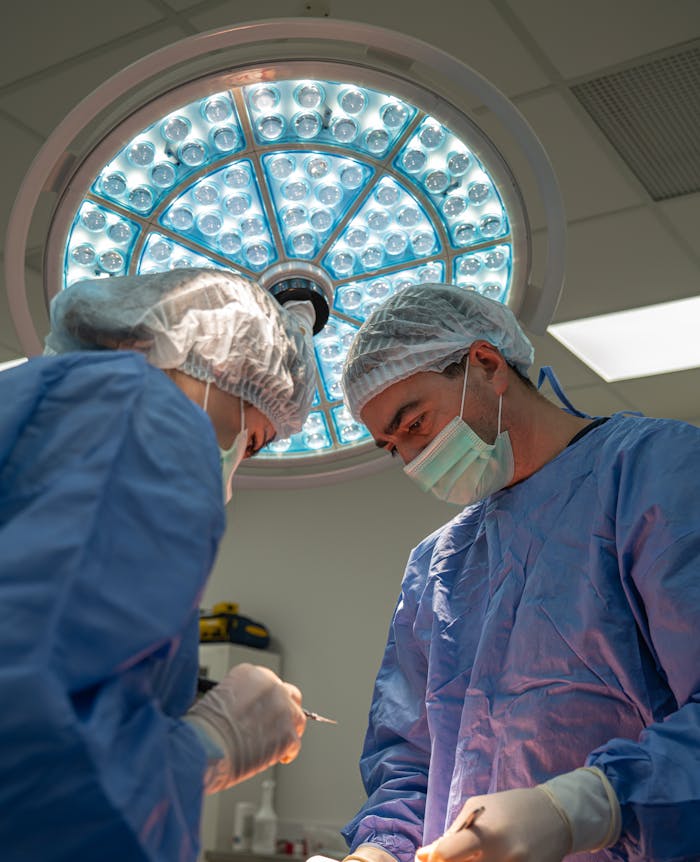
[
  {"x": 231, "y": 457},
  {"x": 458, "y": 466}
]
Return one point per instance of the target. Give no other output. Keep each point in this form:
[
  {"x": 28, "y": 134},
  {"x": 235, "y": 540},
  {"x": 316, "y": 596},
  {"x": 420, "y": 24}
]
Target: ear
[{"x": 491, "y": 361}]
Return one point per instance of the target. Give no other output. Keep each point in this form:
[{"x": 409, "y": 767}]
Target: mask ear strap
[
  {"x": 500, "y": 404},
  {"x": 206, "y": 396},
  {"x": 464, "y": 387},
  {"x": 242, "y": 414}
]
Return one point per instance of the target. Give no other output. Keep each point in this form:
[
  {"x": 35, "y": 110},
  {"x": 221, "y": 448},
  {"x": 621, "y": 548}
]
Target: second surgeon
[{"x": 112, "y": 449}]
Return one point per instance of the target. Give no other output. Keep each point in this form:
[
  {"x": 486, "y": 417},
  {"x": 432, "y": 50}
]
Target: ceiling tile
[
  {"x": 221, "y": 14},
  {"x": 590, "y": 180},
  {"x": 583, "y": 37},
  {"x": 44, "y": 103},
  {"x": 684, "y": 215},
  {"x": 676, "y": 396},
  {"x": 9, "y": 342},
  {"x": 8, "y": 351},
  {"x": 473, "y": 32},
  {"x": 9, "y": 339},
  {"x": 42, "y": 33},
  {"x": 623, "y": 261},
  {"x": 18, "y": 150},
  {"x": 181, "y": 5}
]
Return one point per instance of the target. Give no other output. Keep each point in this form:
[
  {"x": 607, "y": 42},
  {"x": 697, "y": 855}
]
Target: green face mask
[
  {"x": 458, "y": 466},
  {"x": 231, "y": 457}
]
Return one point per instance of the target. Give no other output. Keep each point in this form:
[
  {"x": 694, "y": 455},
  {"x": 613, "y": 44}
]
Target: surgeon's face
[
  {"x": 260, "y": 430},
  {"x": 405, "y": 417},
  {"x": 225, "y": 413},
  {"x": 224, "y": 410}
]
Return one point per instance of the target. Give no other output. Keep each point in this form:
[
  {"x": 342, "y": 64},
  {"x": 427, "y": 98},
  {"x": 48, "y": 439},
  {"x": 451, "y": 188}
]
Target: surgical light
[{"x": 327, "y": 153}]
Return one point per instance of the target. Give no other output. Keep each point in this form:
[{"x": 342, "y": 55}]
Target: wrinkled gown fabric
[{"x": 110, "y": 516}]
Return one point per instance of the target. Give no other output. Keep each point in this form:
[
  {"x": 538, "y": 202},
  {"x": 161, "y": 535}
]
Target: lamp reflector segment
[{"x": 359, "y": 298}]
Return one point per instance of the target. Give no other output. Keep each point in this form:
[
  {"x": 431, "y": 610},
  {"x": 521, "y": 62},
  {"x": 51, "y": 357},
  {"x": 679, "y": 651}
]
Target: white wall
[{"x": 321, "y": 567}]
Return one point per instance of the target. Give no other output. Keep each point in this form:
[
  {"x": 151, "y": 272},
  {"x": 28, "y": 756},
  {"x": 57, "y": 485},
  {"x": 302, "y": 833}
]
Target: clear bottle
[
  {"x": 243, "y": 815},
  {"x": 265, "y": 822}
]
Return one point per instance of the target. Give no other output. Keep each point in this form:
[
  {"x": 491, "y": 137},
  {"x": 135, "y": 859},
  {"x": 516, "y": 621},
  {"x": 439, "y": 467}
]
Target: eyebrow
[{"x": 397, "y": 420}]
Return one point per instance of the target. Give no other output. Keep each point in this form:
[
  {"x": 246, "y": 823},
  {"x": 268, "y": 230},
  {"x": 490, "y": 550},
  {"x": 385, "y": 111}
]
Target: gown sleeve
[
  {"x": 110, "y": 517},
  {"x": 657, "y": 525},
  {"x": 396, "y": 753}
]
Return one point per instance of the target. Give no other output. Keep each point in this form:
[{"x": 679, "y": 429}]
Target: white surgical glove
[
  {"x": 572, "y": 813},
  {"x": 253, "y": 719},
  {"x": 368, "y": 853}
]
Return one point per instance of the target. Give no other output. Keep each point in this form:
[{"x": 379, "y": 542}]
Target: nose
[{"x": 407, "y": 452}]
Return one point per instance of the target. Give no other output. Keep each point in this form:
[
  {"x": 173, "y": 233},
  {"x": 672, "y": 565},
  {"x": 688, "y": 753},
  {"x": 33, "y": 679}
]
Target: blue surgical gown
[
  {"x": 110, "y": 516},
  {"x": 555, "y": 624}
]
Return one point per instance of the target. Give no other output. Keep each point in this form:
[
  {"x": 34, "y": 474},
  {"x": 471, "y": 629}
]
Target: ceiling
[{"x": 624, "y": 248}]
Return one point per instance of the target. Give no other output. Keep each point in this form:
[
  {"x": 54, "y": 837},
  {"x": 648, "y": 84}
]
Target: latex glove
[
  {"x": 369, "y": 853},
  {"x": 571, "y": 813},
  {"x": 254, "y": 719}
]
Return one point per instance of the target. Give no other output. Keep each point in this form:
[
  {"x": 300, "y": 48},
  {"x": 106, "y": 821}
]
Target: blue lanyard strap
[{"x": 547, "y": 373}]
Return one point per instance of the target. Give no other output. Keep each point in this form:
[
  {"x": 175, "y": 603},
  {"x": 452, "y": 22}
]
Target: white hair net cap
[
  {"x": 210, "y": 324},
  {"x": 427, "y": 328}
]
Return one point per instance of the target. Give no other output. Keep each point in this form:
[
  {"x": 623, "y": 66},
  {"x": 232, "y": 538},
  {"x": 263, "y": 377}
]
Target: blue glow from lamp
[
  {"x": 311, "y": 192},
  {"x": 360, "y": 187},
  {"x": 223, "y": 213},
  {"x": 359, "y": 298},
  {"x": 313, "y": 437}
]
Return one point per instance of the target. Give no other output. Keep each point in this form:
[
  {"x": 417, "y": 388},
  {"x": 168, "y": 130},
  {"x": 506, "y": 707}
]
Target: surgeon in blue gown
[
  {"x": 539, "y": 697},
  {"x": 111, "y": 510}
]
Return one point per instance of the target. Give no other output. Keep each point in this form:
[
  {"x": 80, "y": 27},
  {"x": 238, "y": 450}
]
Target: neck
[{"x": 539, "y": 432}]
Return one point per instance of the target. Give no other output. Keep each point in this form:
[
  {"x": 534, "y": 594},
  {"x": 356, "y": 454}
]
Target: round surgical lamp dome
[{"x": 333, "y": 157}]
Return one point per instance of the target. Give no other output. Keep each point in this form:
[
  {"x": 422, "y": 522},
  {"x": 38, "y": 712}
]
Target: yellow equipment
[{"x": 223, "y": 624}]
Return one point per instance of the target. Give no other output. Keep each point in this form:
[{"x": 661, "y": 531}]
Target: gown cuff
[{"x": 588, "y": 801}]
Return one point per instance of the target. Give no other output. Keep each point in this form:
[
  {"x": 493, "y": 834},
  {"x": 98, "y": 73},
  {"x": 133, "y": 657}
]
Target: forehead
[{"x": 381, "y": 409}]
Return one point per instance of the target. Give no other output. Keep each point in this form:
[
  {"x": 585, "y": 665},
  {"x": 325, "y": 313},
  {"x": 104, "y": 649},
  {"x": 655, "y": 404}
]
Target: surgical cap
[
  {"x": 210, "y": 324},
  {"x": 426, "y": 328}
]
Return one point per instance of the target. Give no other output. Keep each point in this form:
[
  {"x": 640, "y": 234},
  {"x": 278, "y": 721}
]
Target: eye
[{"x": 415, "y": 425}]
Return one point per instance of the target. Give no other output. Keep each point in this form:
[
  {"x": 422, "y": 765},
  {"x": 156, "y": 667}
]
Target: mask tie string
[
  {"x": 464, "y": 387},
  {"x": 206, "y": 396}
]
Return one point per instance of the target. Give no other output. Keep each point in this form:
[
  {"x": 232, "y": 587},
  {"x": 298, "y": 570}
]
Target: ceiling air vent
[{"x": 651, "y": 115}]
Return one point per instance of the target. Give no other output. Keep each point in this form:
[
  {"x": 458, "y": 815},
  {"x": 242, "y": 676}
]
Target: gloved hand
[
  {"x": 254, "y": 719},
  {"x": 369, "y": 853},
  {"x": 574, "y": 812}
]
